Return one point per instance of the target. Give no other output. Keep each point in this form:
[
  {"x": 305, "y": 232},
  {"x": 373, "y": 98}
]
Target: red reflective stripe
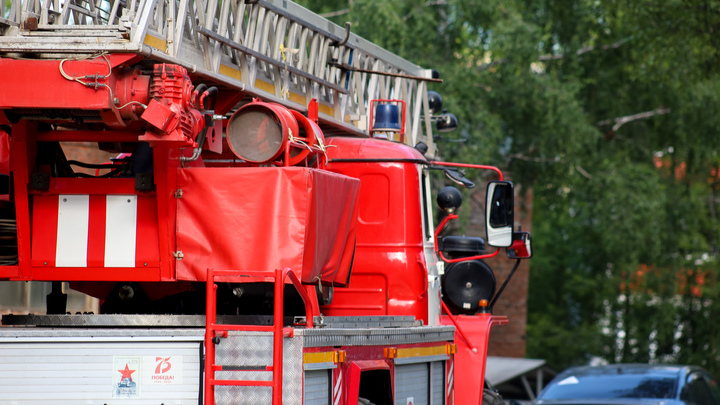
[
  {"x": 147, "y": 249},
  {"x": 44, "y": 230}
]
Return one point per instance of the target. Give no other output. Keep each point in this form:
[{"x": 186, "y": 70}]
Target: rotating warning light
[
  {"x": 387, "y": 118},
  {"x": 259, "y": 131}
]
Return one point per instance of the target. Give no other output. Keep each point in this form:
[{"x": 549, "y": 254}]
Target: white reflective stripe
[
  {"x": 120, "y": 230},
  {"x": 72, "y": 236},
  {"x": 336, "y": 389}
]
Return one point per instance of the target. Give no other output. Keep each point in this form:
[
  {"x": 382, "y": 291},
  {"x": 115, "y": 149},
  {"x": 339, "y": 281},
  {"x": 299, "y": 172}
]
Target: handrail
[{"x": 457, "y": 327}]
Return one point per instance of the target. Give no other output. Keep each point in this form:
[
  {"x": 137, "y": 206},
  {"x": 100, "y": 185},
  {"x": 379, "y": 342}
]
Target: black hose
[{"x": 212, "y": 95}]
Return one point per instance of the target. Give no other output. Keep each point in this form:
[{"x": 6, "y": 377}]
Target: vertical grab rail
[{"x": 211, "y": 327}]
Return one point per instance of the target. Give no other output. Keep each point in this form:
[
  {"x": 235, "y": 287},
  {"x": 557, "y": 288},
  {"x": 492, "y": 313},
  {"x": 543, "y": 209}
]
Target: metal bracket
[
  {"x": 40, "y": 181},
  {"x": 144, "y": 181}
]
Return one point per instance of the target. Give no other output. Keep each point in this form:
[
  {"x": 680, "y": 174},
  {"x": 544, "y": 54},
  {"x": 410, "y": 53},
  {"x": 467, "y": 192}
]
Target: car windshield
[{"x": 612, "y": 386}]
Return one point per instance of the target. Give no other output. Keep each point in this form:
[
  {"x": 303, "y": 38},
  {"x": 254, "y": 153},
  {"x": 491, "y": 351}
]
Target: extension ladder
[{"x": 272, "y": 49}]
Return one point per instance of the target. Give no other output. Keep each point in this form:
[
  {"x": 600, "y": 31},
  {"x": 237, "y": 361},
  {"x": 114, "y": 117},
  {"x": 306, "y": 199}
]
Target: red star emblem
[{"x": 127, "y": 373}]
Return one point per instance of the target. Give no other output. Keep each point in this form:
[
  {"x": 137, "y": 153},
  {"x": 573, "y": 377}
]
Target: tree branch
[
  {"x": 520, "y": 156},
  {"x": 336, "y": 13},
  {"x": 549, "y": 57},
  {"x": 620, "y": 121}
]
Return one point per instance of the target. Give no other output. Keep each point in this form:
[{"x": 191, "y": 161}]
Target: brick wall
[{"x": 507, "y": 340}]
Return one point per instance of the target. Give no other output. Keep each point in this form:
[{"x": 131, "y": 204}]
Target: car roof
[{"x": 610, "y": 369}]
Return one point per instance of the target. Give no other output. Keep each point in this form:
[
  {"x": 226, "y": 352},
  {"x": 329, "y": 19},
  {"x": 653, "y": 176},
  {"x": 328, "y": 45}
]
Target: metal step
[{"x": 273, "y": 49}]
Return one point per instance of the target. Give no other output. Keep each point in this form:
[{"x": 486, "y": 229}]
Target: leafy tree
[{"x": 607, "y": 109}]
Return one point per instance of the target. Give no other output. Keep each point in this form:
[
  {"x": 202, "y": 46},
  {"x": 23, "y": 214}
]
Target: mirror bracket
[{"x": 439, "y": 229}]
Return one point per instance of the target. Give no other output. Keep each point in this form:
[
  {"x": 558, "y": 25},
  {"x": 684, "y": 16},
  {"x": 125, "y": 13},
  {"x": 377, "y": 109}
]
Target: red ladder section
[{"x": 213, "y": 332}]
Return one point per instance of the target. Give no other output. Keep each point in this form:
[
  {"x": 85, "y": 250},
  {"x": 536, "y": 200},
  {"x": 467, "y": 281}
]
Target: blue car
[{"x": 631, "y": 384}]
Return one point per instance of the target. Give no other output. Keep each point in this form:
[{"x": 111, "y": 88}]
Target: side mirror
[
  {"x": 521, "y": 247},
  {"x": 499, "y": 213}
]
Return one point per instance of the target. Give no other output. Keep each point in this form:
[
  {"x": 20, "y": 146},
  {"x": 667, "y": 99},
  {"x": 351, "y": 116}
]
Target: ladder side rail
[
  {"x": 223, "y": 30},
  {"x": 405, "y": 94},
  {"x": 432, "y": 148},
  {"x": 234, "y": 27},
  {"x": 265, "y": 59},
  {"x": 238, "y": 23},
  {"x": 44, "y": 12},
  {"x": 113, "y": 12},
  {"x": 145, "y": 9},
  {"x": 292, "y": 81},
  {"x": 278, "y": 336},
  {"x": 416, "y": 113},
  {"x": 160, "y": 22},
  {"x": 15, "y": 8},
  {"x": 210, "y": 322},
  {"x": 172, "y": 21},
  {"x": 336, "y": 33},
  {"x": 206, "y": 22},
  {"x": 192, "y": 28},
  {"x": 276, "y": 37}
]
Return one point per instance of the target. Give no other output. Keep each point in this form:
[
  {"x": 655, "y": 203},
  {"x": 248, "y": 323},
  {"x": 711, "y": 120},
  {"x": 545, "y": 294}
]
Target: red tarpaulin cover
[{"x": 265, "y": 218}]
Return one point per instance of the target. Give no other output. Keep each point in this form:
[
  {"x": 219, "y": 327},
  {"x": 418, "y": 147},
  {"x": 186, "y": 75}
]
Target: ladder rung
[
  {"x": 219, "y": 367},
  {"x": 246, "y": 328},
  {"x": 247, "y": 383}
]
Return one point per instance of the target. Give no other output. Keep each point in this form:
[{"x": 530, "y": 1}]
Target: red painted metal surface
[
  {"x": 471, "y": 356},
  {"x": 70, "y": 85},
  {"x": 387, "y": 277}
]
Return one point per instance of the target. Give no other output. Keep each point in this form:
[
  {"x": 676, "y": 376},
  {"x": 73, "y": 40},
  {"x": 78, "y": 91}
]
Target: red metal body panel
[
  {"x": 266, "y": 218},
  {"x": 388, "y": 275},
  {"x": 471, "y": 354}
]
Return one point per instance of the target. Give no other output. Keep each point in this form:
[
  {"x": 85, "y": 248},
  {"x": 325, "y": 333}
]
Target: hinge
[
  {"x": 178, "y": 255},
  {"x": 178, "y": 194}
]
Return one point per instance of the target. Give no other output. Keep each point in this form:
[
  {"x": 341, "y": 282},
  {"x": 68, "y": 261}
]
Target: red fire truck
[{"x": 265, "y": 234}]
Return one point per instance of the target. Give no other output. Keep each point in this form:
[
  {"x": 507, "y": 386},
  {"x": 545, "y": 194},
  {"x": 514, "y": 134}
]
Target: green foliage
[{"x": 625, "y": 217}]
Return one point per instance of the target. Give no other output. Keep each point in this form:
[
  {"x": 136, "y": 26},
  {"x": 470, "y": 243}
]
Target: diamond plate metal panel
[
  {"x": 255, "y": 349},
  {"x": 375, "y": 336}
]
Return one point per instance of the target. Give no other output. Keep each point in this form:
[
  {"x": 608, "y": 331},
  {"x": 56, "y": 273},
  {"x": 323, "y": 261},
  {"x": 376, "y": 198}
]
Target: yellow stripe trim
[
  {"x": 296, "y": 98},
  {"x": 421, "y": 351},
  {"x": 326, "y": 110},
  {"x": 318, "y": 357},
  {"x": 155, "y": 42},
  {"x": 264, "y": 86},
  {"x": 230, "y": 72}
]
